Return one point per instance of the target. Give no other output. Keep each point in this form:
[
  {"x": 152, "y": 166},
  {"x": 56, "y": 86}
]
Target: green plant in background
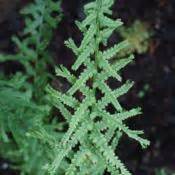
[
  {"x": 163, "y": 171},
  {"x": 138, "y": 35},
  {"x": 144, "y": 90},
  {"x": 23, "y": 101},
  {"x": 92, "y": 135}
]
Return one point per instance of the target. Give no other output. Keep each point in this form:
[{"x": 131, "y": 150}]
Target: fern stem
[{"x": 97, "y": 45}]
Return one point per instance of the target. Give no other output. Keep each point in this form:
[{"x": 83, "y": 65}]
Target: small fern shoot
[{"x": 93, "y": 132}]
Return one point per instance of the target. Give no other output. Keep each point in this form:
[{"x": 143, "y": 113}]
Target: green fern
[
  {"x": 23, "y": 100},
  {"x": 93, "y": 132},
  {"x": 164, "y": 171},
  {"x": 139, "y": 36}
]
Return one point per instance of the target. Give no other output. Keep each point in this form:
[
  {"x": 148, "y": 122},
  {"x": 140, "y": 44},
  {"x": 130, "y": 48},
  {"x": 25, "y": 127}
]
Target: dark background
[{"x": 156, "y": 68}]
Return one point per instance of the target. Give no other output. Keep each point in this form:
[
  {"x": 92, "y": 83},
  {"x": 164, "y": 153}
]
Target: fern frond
[
  {"x": 89, "y": 20},
  {"x": 92, "y": 129},
  {"x": 108, "y": 153},
  {"x": 65, "y": 149},
  {"x": 110, "y": 96},
  {"x": 122, "y": 63},
  {"x": 64, "y": 72},
  {"x": 24, "y": 112},
  {"x": 110, "y": 23},
  {"x": 65, "y": 99},
  {"x": 128, "y": 114},
  {"x": 111, "y": 52},
  {"x": 89, "y": 35},
  {"x": 83, "y": 56},
  {"x": 87, "y": 74},
  {"x": 77, "y": 117},
  {"x": 109, "y": 69},
  {"x": 118, "y": 124},
  {"x": 64, "y": 111},
  {"x": 71, "y": 44},
  {"x": 81, "y": 157}
]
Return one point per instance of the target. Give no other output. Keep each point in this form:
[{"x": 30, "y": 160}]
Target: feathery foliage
[
  {"x": 93, "y": 132},
  {"x": 138, "y": 35},
  {"x": 23, "y": 100}
]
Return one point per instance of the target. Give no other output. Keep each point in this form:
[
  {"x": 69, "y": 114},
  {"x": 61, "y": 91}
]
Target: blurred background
[{"x": 150, "y": 28}]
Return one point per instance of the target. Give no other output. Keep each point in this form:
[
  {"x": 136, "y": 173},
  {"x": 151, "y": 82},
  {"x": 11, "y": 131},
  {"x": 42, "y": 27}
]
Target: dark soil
[{"x": 155, "y": 68}]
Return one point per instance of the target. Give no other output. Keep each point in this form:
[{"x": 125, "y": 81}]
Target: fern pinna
[{"x": 93, "y": 132}]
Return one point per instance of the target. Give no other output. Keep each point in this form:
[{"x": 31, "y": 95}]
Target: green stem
[{"x": 99, "y": 5}]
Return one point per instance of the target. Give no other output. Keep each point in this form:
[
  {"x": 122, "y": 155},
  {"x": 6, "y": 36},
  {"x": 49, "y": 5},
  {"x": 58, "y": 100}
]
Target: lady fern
[{"x": 93, "y": 132}]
